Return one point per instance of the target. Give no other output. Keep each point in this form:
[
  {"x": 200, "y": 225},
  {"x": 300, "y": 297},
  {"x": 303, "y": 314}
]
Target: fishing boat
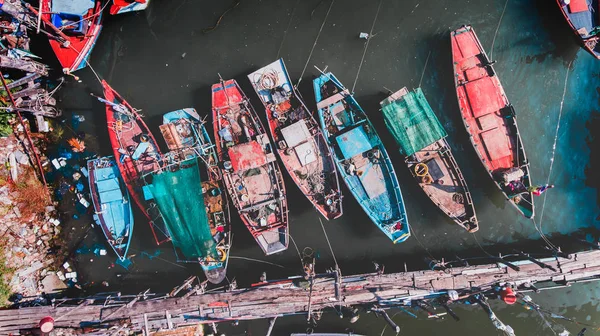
[
  {"x": 422, "y": 140},
  {"x": 582, "y": 16},
  {"x": 298, "y": 139},
  {"x": 77, "y": 24},
  {"x": 112, "y": 208},
  {"x": 360, "y": 157},
  {"x": 490, "y": 120},
  {"x": 126, "y": 6},
  {"x": 136, "y": 154},
  {"x": 195, "y": 208},
  {"x": 250, "y": 171}
]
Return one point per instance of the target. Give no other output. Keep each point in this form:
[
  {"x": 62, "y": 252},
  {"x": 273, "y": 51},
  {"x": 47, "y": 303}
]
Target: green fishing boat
[{"x": 422, "y": 140}]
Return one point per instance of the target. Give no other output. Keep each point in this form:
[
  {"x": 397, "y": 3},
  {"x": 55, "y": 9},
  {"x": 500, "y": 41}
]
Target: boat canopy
[
  {"x": 354, "y": 142},
  {"x": 247, "y": 156},
  {"x": 178, "y": 194},
  {"x": 412, "y": 122}
]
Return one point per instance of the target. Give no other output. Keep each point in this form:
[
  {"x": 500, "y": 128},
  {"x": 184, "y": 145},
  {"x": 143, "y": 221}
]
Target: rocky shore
[{"x": 30, "y": 229}]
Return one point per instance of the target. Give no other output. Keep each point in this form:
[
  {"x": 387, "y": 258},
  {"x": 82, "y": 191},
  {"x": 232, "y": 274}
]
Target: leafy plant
[
  {"x": 57, "y": 132},
  {"x": 5, "y": 274},
  {"x": 32, "y": 194},
  {"x": 5, "y": 127}
]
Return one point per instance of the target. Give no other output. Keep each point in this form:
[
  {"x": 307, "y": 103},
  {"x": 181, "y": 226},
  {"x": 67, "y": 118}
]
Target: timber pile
[{"x": 291, "y": 297}]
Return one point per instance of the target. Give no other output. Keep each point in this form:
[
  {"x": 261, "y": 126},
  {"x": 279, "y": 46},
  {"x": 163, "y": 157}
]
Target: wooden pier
[{"x": 291, "y": 296}]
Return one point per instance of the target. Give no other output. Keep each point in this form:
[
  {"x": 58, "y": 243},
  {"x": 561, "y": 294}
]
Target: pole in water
[
  {"x": 387, "y": 318},
  {"x": 271, "y": 325}
]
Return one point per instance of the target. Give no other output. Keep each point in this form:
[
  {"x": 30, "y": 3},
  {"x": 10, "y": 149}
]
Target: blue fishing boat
[
  {"x": 361, "y": 158},
  {"x": 190, "y": 196},
  {"x": 111, "y": 204}
]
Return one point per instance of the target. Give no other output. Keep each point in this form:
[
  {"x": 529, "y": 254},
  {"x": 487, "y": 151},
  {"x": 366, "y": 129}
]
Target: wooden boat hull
[
  {"x": 186, "y": 137},
  {"x": 582, "y": 20},
  {"x": 433, "y": 166},
  {"x": 112, "y": 205},
  {"x": 75, "y": 56},
  {"x": 250, "y": 171},
  {"x": 128, "y": 133},
  {"x": 361, "y": 158},
  {"x": 490, "y": 120},
  {"x": 127, "y": 6},
  {"x": 299, "y": 141}
]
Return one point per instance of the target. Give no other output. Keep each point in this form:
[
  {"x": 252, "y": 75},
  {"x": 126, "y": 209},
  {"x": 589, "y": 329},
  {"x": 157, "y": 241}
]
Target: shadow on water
[{"x": 566, "y": 44}]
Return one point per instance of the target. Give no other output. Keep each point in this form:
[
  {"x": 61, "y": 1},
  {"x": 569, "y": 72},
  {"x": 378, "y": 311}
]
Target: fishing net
[
  {"x": 412, "y": 122},
  {"x": 178, "y": 193}
]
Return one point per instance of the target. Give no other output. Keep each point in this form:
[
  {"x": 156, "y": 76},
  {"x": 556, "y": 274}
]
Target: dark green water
[{"x": 161, "y": 61}]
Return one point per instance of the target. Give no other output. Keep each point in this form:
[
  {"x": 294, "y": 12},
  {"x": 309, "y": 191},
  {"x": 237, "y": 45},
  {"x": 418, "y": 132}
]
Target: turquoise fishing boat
[
  {"x": 361, "y": 158},
  {"x": 189, "y": 194},
  {"x": 112, "y": 207}
]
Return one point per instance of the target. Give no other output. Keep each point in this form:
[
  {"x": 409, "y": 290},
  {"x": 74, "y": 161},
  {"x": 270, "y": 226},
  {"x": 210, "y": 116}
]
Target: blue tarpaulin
[{"x": 354, "y": 142}]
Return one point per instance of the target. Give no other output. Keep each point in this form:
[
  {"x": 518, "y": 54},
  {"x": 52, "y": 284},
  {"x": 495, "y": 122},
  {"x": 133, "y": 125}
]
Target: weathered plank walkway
[{"x": 292, "y": 297}]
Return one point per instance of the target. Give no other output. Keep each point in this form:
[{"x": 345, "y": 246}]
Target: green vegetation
[
  {"x": 5, "y": 127},
  {"x": 6, "y": 274}
]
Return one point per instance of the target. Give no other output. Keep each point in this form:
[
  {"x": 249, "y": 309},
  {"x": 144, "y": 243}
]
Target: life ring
[
  {"x": 222, "y": 252},
  {"x": 421, "y": 170}
]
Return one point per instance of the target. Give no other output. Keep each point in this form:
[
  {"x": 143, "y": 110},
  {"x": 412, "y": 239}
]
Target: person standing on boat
[{"x": 539, "y": 190}]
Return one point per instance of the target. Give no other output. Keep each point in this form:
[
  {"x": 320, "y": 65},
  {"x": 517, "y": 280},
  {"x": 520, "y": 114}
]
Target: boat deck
[
  {"x": 252, "y": 177},
  {"x": 136, "y": 155},
  {"x": 299, "y": 140},
  {"x": 485, "y": 107},
  {"x": 362, "y": 160},
  {"x": 448, "y": 187},
  {"x": 490, "y": 119},
  {"x": 583, "y": 15}
]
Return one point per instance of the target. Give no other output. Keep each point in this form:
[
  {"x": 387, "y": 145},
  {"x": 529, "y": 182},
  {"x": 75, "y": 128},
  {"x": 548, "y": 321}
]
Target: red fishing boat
[
  {"x": 136, "y": 154},
  {"x": 250, "y": 171},
  {"x": 77, "y": 24},
  {"x": 299, "y": 140},
  {"x": 490, "y": 119},
  {"x": 582, "y": 16},
  {"x": 126, "y": 6}
]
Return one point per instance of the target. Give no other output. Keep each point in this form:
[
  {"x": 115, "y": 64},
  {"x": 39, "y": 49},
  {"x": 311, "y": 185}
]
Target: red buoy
[
  {"x": 47, "y": 324},
  {"x": 508, "y": 296}
]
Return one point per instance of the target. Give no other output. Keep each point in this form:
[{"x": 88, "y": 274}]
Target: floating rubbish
[
  {"x": 151, "y": 256},
  {"x": 364, "y": 36}
]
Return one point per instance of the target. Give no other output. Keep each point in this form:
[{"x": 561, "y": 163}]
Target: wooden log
[{"x": 24, "y": 64}]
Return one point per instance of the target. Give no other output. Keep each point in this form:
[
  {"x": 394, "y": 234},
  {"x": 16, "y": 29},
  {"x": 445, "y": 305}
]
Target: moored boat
[
  {"x": 422, "y": 140},
  {"x": 250, "y": 171},
  {"x": 490, "y": 120},
  {"x": 112, "y": 208},
  {"x": 582, "y": 16},
  {"x": 361, "y": 158},
  {"x": 126, "y": 6},
  {"x": 78, "y": 24},
  {"x": 298, "y": 139},
  {"x": 136, "y": 154},
  {"x": 208, "y": 226}
]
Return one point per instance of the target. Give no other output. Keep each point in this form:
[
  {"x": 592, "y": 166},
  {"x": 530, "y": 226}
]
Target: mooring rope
[
  {"x": 366, "y": 46},
  {"x": 328, "y": 243},
  {"x": 562, "y": 102},
  {"x": 424, "y": 68},
  {"x": 497, "y": 28},
  {"x": 315, "y": 43},
  {"x": 287, "y": 28}
]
